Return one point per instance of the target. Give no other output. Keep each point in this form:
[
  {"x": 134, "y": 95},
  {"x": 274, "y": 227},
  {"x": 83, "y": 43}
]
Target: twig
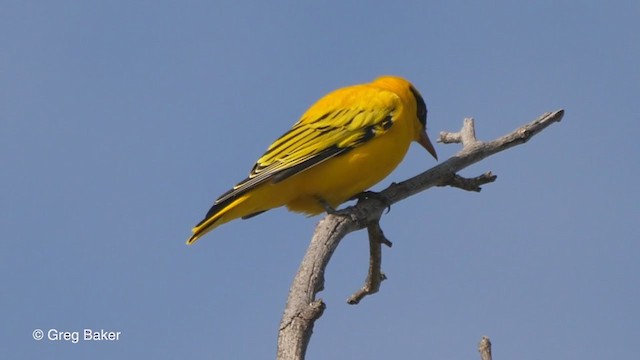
[
  {"x": 296, "y": 325},
  {"x": 375, "y": 275},
  {"x": 472, "y": 184},
  {"x": 376, "y": 236}
]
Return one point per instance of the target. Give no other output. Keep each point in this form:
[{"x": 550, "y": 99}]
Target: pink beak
[{"x": 426, "y": 143}]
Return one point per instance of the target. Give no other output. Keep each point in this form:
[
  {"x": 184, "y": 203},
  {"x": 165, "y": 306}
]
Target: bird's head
[{"x": 410, "y": 94}]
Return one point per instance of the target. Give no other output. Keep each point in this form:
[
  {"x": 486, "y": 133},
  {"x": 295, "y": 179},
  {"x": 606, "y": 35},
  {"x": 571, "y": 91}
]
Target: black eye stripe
[{"x": 421, "y": 106}]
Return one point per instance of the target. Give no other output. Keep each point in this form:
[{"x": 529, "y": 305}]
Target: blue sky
[{"x": 121, "y": 122}]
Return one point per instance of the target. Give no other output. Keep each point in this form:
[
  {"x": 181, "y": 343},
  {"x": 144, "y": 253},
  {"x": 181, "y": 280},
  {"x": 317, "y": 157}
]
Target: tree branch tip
[
  {"x": 553, "y": 116},
  {"x": 558, "y": 113},
  {"x": 484, "y": 348},
  {"x": 354, "y": 300},
  {"x": 357, "y": 296},
  {"x": 446, "y": 137},
  {"x": 369, "y": 288},
  {"x": 469, "y": 184},
  {"x": 489, "y": 176}
]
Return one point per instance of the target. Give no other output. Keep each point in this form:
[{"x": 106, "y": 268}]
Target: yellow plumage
[{"x": 348, "y": 141}]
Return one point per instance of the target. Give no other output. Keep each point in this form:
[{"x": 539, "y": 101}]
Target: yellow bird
[{"x": 348, "y": 141}]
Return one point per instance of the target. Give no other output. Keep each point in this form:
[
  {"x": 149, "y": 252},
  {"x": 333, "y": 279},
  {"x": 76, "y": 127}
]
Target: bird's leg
[
  {"x": 372, "y": 195},
  {"x": 327, "y": 207},
  {"x": 330, "y": 209}
]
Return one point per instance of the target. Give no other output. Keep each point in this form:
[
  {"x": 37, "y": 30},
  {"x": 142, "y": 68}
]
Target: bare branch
[
  {"x": 302, "y": 308},
  {"x": 375, "y": 276}
]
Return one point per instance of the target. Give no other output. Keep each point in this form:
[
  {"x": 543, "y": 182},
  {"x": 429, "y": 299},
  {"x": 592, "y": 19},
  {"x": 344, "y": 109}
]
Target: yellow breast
[{"x": 340, "y": 178}]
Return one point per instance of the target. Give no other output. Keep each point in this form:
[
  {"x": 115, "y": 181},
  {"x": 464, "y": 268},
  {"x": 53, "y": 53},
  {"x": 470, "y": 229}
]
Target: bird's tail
[{"x": 218, "y": 215}]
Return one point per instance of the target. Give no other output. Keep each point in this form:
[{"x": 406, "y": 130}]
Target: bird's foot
[
  {"x": 373, "y": 195},
  {"x": 330, "y": 209}
]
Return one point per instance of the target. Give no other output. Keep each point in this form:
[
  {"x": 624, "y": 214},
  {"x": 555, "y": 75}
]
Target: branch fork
[
  {"x": 466, "y": 136},
  {"x": 303, "y": 309}
]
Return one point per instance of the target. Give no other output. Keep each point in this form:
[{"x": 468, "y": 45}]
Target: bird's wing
[{"x": 331, "y": 127}]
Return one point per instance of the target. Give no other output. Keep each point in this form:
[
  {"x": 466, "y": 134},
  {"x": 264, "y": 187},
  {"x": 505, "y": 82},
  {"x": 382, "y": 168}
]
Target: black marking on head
[{"x": 422, "y": 107}]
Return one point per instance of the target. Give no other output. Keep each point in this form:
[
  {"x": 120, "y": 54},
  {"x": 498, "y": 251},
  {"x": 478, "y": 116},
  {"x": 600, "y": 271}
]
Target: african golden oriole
[{"x": 348, "y": 141}]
